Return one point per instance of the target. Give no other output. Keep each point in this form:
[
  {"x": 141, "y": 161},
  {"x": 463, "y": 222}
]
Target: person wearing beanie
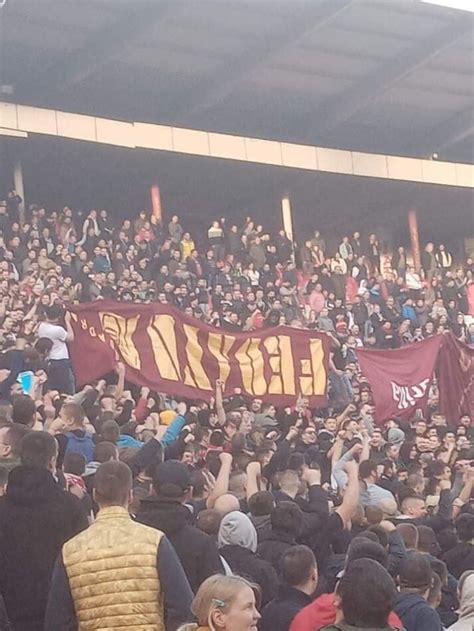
[{"x": 396, "y": 436}]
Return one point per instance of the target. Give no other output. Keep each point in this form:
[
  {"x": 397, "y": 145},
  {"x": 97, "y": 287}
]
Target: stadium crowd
[{"x": 123, "y": 508}]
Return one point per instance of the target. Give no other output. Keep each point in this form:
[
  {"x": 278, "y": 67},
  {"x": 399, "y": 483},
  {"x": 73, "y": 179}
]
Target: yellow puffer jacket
[{"x": 113, "y": 576}]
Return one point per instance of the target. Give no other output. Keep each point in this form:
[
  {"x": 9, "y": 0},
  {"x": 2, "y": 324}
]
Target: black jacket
[
  {"x": 36, "y": 518},
  {"x": 274, "y": 547},
  {"x": 279, "y": 613},
  {"x": 249, "y": 565},
  {"x": 459, "y": 559},
  {"x": 196, "y": 550},
  {"x": 416, "y": 614},
  {"x": 320, "y": 529},
  {"x": 262, "y": 526}
]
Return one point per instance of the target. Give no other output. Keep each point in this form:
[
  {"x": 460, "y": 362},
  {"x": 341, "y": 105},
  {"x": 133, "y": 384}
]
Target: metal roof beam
[
  {"x": 98, "y": 50},
  {"x": 225, "y": 82},
  {"x": 455, "y": 130},
  {"x": 342, "y": 107},
  {"x": 447, "y": 133}
]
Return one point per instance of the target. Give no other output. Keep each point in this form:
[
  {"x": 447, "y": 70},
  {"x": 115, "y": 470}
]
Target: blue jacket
[
  {"x": 79, "y": 442},
  {"x": 128, "y": 441},
  {"x": 409, "y": 313},
  {"x": 416, "y": 614},
  {"x": 173, "y": 431}
]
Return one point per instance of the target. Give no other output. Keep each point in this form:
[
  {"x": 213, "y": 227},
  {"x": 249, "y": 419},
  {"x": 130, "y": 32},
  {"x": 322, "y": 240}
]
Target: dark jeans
[{"x": 60, "y": 376}]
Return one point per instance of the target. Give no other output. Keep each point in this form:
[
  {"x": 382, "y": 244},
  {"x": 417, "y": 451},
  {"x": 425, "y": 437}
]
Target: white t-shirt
[{"x": 57, "y": 335}]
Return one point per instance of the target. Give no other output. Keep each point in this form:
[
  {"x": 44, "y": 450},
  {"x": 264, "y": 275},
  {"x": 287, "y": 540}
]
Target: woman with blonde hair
[{"x": 225, "y": 603}]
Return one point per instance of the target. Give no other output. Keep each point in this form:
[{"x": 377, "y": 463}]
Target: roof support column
[{"x": 19, "y": 186}]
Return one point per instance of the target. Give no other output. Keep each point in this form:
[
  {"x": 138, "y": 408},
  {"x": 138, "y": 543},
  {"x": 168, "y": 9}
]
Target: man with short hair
[
  {"x": 260, "y": 506},
  {"x": 318, "y": 525},
  {"x": 103, "y": 452},
  {"x": 377, "y": 444},
  {"x": 414, "y": 510},
  {"x": 74, "y": 438},
  {"x": 461, "y": 558},
  {"x": 364, "y": 597},
  {"x": 299, "y": 575},
  {"x": 372, "y": 494},
  {"x": 415, "y": 580},
  {"x": 266, "y": 417},
  {"x": 165, "y": 510},
  {"x": 286, "y": 526},
  {"x": 11, "y": 435},
  {"x": 117, "y": 573},
  {"x": 322, "y": 611},
  {"x": 36, "y": 517},
  {"x": 24, "y": 410}
]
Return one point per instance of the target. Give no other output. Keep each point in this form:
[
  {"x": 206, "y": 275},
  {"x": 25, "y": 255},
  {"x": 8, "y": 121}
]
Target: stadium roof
[{"x": 389, "y": 76}]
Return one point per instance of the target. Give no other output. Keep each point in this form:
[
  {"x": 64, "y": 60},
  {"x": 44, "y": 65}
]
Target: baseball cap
[{"x": 171, "y": 479}]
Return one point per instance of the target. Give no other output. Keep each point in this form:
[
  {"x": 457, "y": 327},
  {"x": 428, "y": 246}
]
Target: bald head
[{"x": 226, "y": 504}]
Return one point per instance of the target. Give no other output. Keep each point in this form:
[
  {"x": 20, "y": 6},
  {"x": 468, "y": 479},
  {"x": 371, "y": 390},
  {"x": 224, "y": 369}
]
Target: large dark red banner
[
  {"x": 170, "y": 352},
  {"x": 455, "y": 372},
  {"x": 400, "y": 379}
]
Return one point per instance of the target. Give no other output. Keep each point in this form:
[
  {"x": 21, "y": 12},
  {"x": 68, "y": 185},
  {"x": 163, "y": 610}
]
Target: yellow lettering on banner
[
  {"x": 163, "y": 342},
  {"x": 313, "y": 374},
  {"x": 251, "y": 364},
  {"x": 282, "y": 380},
  {"x": 194, "y": 354},
  {"x": 317, "y": 361},
  {"x": 121, "y": 331},
  {"x": 244, "y": 364},
  {"x": 84, "y": 324},
  {"x": 219, "y": 346},
  {"x": 306, "y": 378}
]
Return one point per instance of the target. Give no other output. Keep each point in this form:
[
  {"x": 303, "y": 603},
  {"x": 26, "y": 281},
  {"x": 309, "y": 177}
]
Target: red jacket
[{"x": 322, "y": 612}]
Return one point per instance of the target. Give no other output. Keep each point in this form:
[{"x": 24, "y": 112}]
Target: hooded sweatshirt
[
  {"x": 466, "y": 610},
  {"x": 236, "y": 529},
  {"x": 237, "y": 540},
  {"x": 36, "y": 518}
]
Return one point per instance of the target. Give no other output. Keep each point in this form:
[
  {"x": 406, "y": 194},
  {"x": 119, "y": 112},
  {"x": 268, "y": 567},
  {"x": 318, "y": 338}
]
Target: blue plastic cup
[{"x": 26, "y": 381}]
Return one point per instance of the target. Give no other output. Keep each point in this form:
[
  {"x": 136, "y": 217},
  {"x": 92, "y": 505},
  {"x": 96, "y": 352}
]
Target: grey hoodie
[
  {"x": 236, "y": 529},
  {"x": 466, "y": 610}
]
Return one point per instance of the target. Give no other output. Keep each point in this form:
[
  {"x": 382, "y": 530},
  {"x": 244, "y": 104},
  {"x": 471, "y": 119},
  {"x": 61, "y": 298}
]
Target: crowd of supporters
[{"x": 125, "y": 508}]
